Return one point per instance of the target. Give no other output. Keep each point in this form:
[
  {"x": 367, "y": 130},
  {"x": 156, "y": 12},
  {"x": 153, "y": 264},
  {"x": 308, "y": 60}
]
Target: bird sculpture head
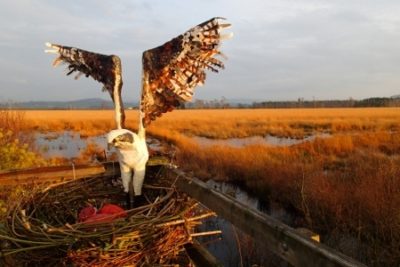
[{"x": 120, "y": 138}]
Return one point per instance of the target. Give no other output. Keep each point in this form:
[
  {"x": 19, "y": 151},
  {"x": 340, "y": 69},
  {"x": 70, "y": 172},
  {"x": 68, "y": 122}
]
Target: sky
[{"x": 281, "y": 49}]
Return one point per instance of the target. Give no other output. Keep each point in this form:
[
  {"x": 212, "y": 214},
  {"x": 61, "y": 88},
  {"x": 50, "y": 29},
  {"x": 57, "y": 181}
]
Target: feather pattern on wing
[
  {"x": 173, "y": 70},
  {"x": 105, "y": 69}
]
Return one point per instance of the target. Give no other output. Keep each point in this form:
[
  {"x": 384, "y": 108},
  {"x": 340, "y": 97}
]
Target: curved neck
[
  {"x": 118, "y": 104},
  {"x": 145, "y": 84},
  {"x": 141, "y": 129},
  {"x": 116, "y": 93}
]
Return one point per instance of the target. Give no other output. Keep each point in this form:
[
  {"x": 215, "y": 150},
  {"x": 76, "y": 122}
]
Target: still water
[
  {"x": 269, "y": 140},
  {"x": 69, "y": 144},
  {"x": 234, "y": 247}
]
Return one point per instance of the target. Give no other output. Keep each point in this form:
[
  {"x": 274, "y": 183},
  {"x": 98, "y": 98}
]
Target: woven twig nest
[{"x": 43, "y": 229}]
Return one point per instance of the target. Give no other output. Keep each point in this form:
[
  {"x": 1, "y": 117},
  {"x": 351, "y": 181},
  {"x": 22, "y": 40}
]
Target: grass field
[
  {"x": 348, "y": 182},
  {"x": 228, "y": 123}
]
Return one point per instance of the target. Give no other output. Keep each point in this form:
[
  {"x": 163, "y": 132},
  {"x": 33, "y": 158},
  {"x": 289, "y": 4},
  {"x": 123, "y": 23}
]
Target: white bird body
[{"x": 132, "y": 156}]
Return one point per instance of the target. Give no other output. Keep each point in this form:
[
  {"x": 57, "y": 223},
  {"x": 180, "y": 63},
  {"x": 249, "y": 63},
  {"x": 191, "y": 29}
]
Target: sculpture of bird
[{"x": 170, "y": 74}]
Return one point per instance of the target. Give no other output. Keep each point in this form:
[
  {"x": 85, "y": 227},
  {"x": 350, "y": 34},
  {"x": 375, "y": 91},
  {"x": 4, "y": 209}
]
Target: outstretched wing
[
  {"x": 103, "y": 68},
  {"x": 173, "y": 70}
]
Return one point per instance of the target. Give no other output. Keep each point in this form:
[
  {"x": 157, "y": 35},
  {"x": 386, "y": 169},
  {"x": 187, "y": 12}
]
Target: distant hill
[
  {"x": 88, "y": 103},
  {"x": 99, "y": 103}
]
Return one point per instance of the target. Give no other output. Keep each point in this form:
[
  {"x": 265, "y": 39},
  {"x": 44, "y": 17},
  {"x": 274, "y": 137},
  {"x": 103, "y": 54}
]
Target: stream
[
  {"x": 269, "y": 140},
  {"x": 235, "y": 247}
]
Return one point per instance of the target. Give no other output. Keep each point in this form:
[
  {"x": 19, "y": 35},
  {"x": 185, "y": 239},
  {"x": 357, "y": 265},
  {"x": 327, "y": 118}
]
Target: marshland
[
  {"x": 338, "y": 175},
  {"x": 292, "y": 133}
]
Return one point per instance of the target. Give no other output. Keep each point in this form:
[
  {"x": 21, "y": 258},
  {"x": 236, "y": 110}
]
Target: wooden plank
[
  {"x": 50, "y": 174},
  {"x": 272, "y": 234},
  {"x": 201, "y": 256},
  {"x": 56, "y": 174}
]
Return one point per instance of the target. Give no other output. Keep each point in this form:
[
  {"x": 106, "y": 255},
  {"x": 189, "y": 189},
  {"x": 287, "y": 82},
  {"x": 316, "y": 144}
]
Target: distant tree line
[
  {"x": 207, "y": 104},
  {"x": 350, "y": 103},
  {"x": 300, "y": 103}
]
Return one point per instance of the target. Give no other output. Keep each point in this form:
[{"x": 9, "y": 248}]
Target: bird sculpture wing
[
  {"x": 105, "y": 69},
  {"x": 173, "y": 70}
]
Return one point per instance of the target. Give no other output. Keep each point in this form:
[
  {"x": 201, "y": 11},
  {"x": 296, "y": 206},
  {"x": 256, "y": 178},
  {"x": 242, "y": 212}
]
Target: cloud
[{"x": 282, "y": 49}]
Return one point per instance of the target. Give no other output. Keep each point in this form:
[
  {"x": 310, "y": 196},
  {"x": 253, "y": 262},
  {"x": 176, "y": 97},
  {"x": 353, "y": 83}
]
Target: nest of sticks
[{"x": 42, "y": 228}]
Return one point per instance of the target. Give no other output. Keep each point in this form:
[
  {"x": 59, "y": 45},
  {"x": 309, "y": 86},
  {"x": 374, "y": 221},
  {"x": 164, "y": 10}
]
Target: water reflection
[
  {"x": 257, "y": 140},
  {"x": 227, "y": 249},
  {"x": 69, "y": 144},
  {"x": 235, "y": 247}
]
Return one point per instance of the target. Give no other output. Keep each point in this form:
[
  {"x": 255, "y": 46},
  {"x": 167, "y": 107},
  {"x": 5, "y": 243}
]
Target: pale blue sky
[{"x": 282, "y": 49}]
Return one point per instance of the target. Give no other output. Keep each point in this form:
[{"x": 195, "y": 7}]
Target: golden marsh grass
[{"x": 225, "y": 123}]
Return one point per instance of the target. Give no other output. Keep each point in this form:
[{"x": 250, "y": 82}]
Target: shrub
[
  {"x": 15, "y": 144},
  {"x": 14, "y": 154}
]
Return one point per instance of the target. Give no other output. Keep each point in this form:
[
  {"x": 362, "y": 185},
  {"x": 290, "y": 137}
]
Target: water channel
[{"x": 269, "y": 140}]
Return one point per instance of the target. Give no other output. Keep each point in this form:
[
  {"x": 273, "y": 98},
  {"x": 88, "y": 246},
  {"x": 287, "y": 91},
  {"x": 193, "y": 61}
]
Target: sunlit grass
[{"x": 227, "y": 123}]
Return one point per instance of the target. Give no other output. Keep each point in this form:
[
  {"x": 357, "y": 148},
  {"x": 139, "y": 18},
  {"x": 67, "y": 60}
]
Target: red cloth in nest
[
  {"x": 113, "y": 209},
  {"x": 86, "y": 213},
  {"x": 108, "y": 213}
]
